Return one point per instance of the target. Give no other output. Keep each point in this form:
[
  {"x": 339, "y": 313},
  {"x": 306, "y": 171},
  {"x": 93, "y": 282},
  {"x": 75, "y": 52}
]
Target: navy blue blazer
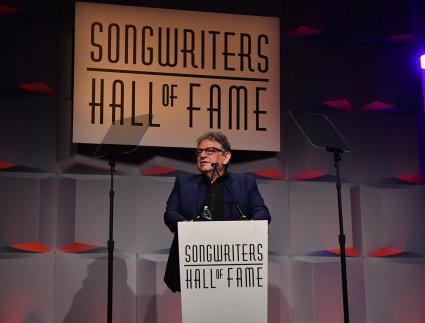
[{"x": 187, "y": 198}]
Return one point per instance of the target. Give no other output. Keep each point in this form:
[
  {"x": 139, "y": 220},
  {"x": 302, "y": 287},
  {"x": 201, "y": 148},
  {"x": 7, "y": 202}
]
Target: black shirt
[{"x": 215, "y": 198}]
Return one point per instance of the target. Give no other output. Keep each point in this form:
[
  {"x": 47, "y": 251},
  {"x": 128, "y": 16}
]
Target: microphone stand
[
  {"x": 201, "y": 216},
  {"x": 110, "y": 245},
  {"x": 242, "y": 215},
  {"x": 337, "y": 158},
  {"x": 214, "y": 165}
]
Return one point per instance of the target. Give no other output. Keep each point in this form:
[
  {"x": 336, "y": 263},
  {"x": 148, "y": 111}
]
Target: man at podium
[{"x": 214, "y": 194}]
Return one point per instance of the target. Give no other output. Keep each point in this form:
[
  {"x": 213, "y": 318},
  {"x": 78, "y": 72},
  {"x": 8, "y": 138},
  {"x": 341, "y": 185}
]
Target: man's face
[{"x": 205, "y": 158}]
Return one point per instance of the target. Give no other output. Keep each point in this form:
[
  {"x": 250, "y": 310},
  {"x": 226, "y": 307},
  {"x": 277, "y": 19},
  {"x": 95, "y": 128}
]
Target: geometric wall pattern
[{"x": 351, "y": 61}]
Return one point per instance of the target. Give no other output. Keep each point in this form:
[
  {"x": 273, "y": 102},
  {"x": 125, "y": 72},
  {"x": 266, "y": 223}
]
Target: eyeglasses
[{"x": 208, "y": 150}]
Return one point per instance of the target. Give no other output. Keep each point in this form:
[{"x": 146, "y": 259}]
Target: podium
[{"x": 223, "y": 271}]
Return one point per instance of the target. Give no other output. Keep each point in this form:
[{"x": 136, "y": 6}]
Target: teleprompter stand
[
  {"x": 122, "y": 138},
  {"x": 321, "y": 133}
]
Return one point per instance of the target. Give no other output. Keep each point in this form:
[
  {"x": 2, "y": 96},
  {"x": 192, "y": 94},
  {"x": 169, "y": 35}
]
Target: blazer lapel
[{"x": 199, "y": 193}]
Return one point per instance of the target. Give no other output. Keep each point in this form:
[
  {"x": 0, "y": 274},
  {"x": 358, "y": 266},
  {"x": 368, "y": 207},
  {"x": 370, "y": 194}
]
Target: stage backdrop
[{"x": 187, "y": 72}]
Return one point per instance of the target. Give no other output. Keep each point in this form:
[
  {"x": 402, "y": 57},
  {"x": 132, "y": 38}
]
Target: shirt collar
[{"x": 220, "y": 179}]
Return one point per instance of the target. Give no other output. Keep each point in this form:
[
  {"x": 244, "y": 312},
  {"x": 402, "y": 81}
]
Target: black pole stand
[
  {"x": 111, "y": 241},
  {"x": 337, "y": 158},
  {"x": 321, "y": 133},
  {"x": 111, "y": 147}
]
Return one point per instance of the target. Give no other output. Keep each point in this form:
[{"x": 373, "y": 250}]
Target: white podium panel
[{"x": 223, "y": 271}]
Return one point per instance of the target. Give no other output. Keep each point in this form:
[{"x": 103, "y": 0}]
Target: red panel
[
  {"x": 78, "y": 247},
  {"x": 385, "y": 252},
  {"x": 402, "y": 37},
  {"x": 411, "y": 178},
  {"x": 308, "y": 175},
  {"x": 39, "y": 88},
  {"x": 272, "y": 173},
  {"x": 304, "y": 31},
  {"x": 349, "y": 251},
  {"x": 377, "y": 106},
  {"x": 84, "y": 165},
  {"x": 5, "y": 10},
  {"x": 4, "y": 165},
  {"x": 158, "y": 170},
  {"x": 31, "y": 246},
  {"x": 342, "y": 104}
]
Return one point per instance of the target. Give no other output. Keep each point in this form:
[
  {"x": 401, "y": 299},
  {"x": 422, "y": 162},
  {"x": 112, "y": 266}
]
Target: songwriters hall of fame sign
[
  {"x": 189, "y": 71},
  {"x": 223, "y": 271}
]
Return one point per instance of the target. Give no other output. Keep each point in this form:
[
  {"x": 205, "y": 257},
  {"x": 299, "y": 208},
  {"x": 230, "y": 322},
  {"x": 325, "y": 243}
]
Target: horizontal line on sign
[
  {"x": 219, "y": 77},
  {"x": 212, "y": 265}
]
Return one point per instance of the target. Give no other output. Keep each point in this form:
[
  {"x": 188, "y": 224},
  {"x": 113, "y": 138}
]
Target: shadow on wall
[
  {"x": 32, "y": 318},
  {"x": 89, "y": 305},
  {"x": 279, "y": 309},
  {"x": 150, "y": 314}
]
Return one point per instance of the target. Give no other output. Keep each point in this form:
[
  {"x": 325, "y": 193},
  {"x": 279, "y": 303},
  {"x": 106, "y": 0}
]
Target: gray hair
[{"x": 216, "y": 136}]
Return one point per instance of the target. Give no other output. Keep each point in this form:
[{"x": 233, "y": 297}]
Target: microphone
[
  {"x": 242, "y": 216},
  {"x": 202, "y": 210},
  {"x": 214, "y": 165}
]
